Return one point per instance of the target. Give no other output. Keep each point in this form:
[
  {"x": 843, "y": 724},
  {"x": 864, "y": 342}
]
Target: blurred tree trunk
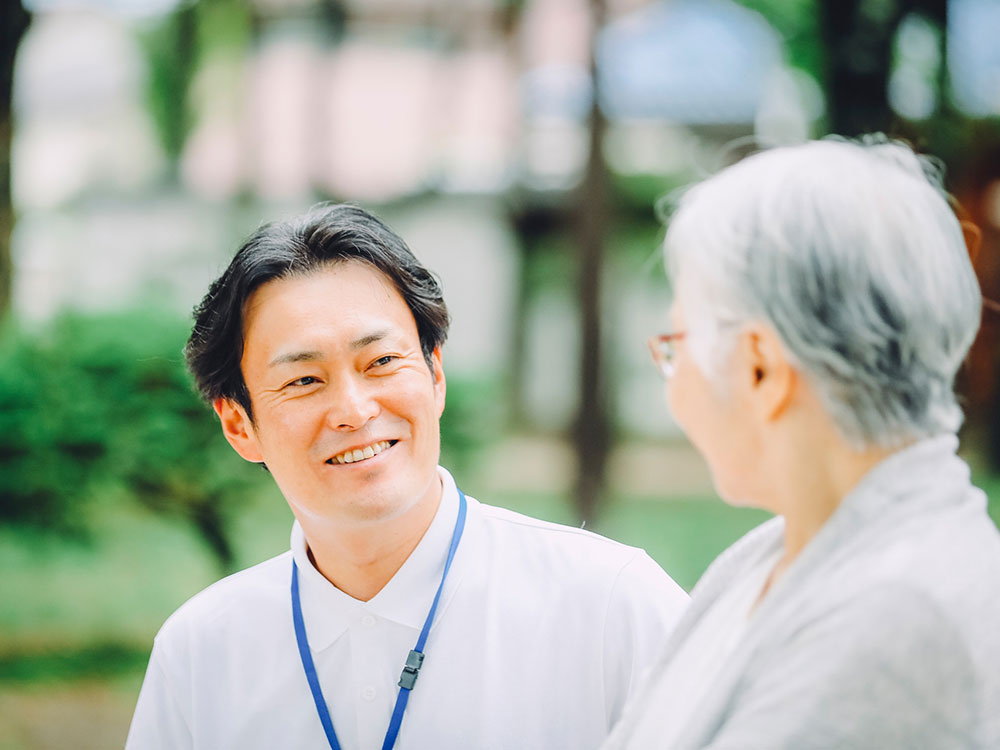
[
  {"x": 936, "y": 11},
  {"x": 518, "y": 217},
  {"x": 523, "y": 222},
  {"x": 537, "y": 226},
  {"x": 858, "y": 38},
  {"x": 14, "y": 21},
  {"x": 592, "y": 429}
]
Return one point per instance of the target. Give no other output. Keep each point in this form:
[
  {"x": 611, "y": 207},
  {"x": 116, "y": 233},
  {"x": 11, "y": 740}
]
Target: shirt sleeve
[
  {"x": 889, "y": 669},
  {"x": 159, "y": 723},
  {"x": 644, "y": 605}
]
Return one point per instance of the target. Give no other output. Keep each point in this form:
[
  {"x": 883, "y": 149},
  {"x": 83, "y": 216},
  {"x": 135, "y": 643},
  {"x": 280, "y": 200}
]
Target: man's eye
[
  {"x": 307, "y": 380},
  {"x": 381, "y": 361}
]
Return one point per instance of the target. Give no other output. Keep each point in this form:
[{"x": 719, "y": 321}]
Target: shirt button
[
  {"x": 368, "y": 621},
  {"x": 369, "y": 693}
]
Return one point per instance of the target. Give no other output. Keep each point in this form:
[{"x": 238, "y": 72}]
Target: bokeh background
[{"x": 519, "y": 146}]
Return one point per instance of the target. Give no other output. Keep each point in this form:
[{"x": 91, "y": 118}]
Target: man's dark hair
[{"x": 323, "y": 236}]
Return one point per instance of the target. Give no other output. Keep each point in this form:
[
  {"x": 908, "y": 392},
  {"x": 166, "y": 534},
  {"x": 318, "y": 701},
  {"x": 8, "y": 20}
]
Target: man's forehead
[
  {"x": 286, "y": 318},
  {"x": 358, "y": 272},
  {"x": 361, "y": 280}
]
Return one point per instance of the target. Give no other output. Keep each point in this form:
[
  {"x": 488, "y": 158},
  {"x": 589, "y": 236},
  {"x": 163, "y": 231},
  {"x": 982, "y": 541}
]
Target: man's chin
[{"x": 387, "y": 498}]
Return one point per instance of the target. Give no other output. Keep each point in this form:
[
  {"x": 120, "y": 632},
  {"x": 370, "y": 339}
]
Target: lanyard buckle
[{"x": 411, "y": 670}]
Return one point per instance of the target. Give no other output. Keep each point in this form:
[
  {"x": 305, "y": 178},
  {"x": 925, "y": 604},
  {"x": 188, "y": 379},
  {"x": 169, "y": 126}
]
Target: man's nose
[{"x": 352, "y": 403}]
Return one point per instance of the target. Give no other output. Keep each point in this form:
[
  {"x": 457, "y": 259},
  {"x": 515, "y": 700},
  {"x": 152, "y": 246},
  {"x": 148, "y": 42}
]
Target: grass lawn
[{"x": 682, "y": 534}]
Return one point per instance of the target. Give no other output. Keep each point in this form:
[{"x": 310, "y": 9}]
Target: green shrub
[
  {"x": 472, "y": 418},
  {"x": 101, "y": 406}
]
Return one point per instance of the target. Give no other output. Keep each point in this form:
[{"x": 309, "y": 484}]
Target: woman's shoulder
[{"x": 749, "y": 549}]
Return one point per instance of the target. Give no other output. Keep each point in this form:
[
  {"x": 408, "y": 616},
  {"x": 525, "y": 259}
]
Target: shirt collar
[
  {"x": 914, "y": 479},
  {"x": 909, "y": 482},
  {"x": 405, "y": 599},
  {"x": 925, "y": 472}
]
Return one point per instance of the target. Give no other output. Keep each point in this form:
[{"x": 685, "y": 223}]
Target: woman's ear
[
  {"x": 767, "y": 376},
  {"x": 238, "y": 429}
]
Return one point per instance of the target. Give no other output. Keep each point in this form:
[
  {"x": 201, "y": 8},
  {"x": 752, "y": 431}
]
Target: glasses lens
[
  {"x": 667, "y": 358},
  {"x": 661, "y": 355},
  {"x": 663, "y": 349}
]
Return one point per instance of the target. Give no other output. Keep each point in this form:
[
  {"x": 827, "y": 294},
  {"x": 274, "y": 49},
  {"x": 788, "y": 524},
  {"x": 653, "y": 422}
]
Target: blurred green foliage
[
  {"x": 223, "y": 29},
  {"x": 48, "y": 438},
  {"x": 472, "y": 420},
  {"x": 95, "y": 408},
  {"x": 797, "y": 21},
  {"x": 171, "y": 56}
]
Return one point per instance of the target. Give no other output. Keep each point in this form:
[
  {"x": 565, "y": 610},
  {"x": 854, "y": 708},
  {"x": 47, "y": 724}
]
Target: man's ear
[
  {"x": 768, "y": 377},
  {"x": 437, "y": 373},
  {"x": 238, "y": 429}
]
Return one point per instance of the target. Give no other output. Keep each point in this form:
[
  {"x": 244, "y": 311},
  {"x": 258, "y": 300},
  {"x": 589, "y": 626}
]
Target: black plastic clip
[{"x": 411, "y": 670}]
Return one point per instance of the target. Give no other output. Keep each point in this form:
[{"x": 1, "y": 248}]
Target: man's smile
[{"x": 361, "y": 453}]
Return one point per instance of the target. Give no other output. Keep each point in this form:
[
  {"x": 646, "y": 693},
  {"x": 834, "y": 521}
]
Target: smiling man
[{"x": 406, "y": 614}]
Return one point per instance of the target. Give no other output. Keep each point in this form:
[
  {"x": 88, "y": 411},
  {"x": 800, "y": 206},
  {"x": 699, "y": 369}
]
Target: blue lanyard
[{"x": 413, "y": 661}]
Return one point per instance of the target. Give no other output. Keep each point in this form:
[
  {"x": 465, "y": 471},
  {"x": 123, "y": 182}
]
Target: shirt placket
[{"x": 374, "y": 687}]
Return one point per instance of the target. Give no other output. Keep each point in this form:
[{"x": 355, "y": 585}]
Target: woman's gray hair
[{"x": 850, "y": 252}]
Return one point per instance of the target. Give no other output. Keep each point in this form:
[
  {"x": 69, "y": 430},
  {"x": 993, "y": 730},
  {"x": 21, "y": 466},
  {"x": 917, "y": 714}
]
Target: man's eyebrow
[
  {"x": 371, "y": 338},
  {"x": 292, "y": 357},
  {"x": 312, "y": 356}
]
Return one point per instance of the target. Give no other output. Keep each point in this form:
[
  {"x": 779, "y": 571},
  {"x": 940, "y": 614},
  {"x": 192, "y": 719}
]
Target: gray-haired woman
[{"x": 824, "y": 301}]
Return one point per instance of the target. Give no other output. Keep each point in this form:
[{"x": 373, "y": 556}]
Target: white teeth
[{"x": 360, "y": 454}]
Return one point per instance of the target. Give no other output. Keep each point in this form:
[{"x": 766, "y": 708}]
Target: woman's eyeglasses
[{"x": 664, "y": 349}]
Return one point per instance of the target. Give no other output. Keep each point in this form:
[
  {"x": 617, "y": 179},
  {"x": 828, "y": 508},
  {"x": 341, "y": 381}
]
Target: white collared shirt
[{"x": 539, "y": 639}]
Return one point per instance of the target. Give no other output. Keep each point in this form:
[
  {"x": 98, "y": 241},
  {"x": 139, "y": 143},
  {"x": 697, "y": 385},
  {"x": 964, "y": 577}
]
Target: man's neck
[{"x": 361, "y": 560}]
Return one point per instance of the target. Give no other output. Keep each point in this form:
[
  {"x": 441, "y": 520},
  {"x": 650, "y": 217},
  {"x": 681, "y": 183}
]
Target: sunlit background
[{"x": 519, "y": 146}]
